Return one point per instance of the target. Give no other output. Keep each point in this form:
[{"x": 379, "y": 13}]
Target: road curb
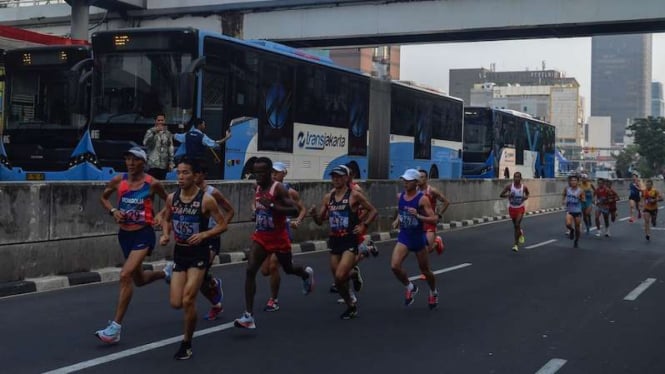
[{"x": 111, "y": 274}]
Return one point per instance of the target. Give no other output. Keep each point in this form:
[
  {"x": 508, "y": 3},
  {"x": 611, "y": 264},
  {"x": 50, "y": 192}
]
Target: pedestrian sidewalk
[{"x": 112, "y": 274}]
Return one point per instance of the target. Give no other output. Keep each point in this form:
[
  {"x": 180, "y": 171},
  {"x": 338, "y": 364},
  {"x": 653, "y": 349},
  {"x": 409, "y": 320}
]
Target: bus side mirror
[
  {"x": 72, "y": 92},
  {"x": 186, "y": 90}
]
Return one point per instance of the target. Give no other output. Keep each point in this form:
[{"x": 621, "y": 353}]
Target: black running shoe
[
  {"x": 184, "y": 352},
  {"x": 357, "y": 279},
  {"x": 333, "y": 288},
  {"x": 372, "y": 248},
  {"x": 350, "y": 313}
]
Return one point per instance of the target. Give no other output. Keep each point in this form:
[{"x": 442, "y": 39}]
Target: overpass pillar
[{"x": 80, "y": 19}]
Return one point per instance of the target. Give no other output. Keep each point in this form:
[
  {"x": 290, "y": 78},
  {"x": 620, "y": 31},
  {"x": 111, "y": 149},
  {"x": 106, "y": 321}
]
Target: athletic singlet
[
  {"x": 602, "y": 196},
  {"x": 188, "y": 218},
  {"x": 341, "y": 217},
  {"x": 573, "y": 201},
  {"x": 588, "y": 192},
  {"x": 136, "y": 205},
  {"x": 266, "y": 219},
  {"x": 634, "y": 190},
  {"x": 516, "y": 197},
  {"x": 650, "y": 199},
  {"x": 407, "y": 221},
  {"x": 432, "y": 199}
]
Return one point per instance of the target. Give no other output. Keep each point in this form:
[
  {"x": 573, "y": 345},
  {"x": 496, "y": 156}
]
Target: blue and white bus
[
  {"x": 499, "y": 142},
  {"x": 43, "y": 139},
  {"x": 277, "y": 101},
  {"x": 425, "y": 132}
]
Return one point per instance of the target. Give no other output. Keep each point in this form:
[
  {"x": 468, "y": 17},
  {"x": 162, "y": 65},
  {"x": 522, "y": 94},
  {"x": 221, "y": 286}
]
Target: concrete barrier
[{"x": 61, "y": 228}]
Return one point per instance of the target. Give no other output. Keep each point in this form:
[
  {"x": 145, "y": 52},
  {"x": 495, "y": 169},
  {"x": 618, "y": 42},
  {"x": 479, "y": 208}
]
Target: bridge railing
[{"x": 22, "y": 3}]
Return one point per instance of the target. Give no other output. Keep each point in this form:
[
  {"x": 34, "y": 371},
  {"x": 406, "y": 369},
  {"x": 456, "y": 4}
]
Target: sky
[{"x": 429, "y": 63}]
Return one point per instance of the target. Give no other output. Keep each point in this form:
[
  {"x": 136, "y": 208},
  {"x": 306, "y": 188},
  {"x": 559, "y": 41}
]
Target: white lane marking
[
  {"x": 624, "y": 219},
  {"x": 552, "y": 366},
  {"x": 452, "y": 268},
  {"x": 541, "y": 244},
  {"x": 641, "y": 288},
  {"x": 134, "y": 351}
]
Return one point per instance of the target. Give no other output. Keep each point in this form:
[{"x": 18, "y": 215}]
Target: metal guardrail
[{"x": 23, "y": 3}]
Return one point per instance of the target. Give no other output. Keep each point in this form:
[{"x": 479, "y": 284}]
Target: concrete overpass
[{"x": 309, "y": 23}]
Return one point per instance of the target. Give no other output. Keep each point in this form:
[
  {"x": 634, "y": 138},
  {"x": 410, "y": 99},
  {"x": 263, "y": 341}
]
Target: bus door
[{"x": 212, "y": 112}]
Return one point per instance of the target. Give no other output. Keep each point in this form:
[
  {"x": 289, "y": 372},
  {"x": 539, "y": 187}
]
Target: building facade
[
  {"x": 657, "y": 100},
  {"x": 383, "y": 61},
  {"x": 621, "y": 79}
]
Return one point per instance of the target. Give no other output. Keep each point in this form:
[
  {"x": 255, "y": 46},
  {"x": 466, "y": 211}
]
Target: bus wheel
[
  {"x": 433, "y": 172},
  {"x": 248, "y": 169},
  {"x": 355, "y": 169}
]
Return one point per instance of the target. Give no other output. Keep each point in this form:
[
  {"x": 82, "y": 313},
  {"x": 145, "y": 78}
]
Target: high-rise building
[
  {"x": 657, "y": 100},
  {"x": 461, "y": 81},
  {"x": 621, "y": 79},
  {"x": 380, "y": 61}
]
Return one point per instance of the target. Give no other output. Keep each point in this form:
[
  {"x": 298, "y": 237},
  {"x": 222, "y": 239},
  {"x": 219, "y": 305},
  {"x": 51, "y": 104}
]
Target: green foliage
[
  {"x": 649, "y": 135},
  {"x": 625, "y": 159}
]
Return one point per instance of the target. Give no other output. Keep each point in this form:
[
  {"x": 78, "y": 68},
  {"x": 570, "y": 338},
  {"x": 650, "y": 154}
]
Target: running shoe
[
  {"x": 111, "y": 334},
  {"x": 357, "y": 279},
  {"x": 607, "y": 232},
  {"x": 439, "y": 245},
  {"x": 598, "y": 233},
  {"x": 246, "y": 321},
  {"x": 214, "y": 312},
  {"x": 333, "y": 288},
  {"x": 308, "y": 284},
  {"x": 350, "y": 313},
  {"x": 372, "y": 248},
  {"x": 408, "y": 300},
  {"x": 184, "y": 352},
  {"x": 363, "y": 250},
  {"x": 631, "y": 220},
  {"x": 354, "y": 299},
  {"x": 515, "y": 248},
  {"x": 575, "y": 244},
  {"x": 218, "y": 292},
  {"x": 168, "y": 272},
  {"x": 648, "y": 238},
  {"x": 271, "y": 306},
  {"x": 433, "y": 301},
  {"x": 522, "y": 238}
]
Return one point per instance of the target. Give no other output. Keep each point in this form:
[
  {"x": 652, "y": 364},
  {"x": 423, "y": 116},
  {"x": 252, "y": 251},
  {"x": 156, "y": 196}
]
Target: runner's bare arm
[
  {"x": 302, "y": 212},
  {"x": 442, "y": 198},
  {"x": 283, "y": 203},
  {"x": 362, "y": 201},
  {"x": 222, "y": 201},
  {"x": 526, "y": 193},
  {"x": 210, "y": 209},
  {"x": 429, "y": 216},
  {"x": 322, "y": 211},
  {"x": 166, "y": 221},
  {"x": 505, "y": 192},
  {"x": 111, "y": 187}
]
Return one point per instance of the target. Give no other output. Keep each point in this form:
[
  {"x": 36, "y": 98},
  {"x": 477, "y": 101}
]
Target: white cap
[
  {"x": 411, "y": 175},
  {"x": 278, "y": 166},
  {"x": 137, "y": 152}
]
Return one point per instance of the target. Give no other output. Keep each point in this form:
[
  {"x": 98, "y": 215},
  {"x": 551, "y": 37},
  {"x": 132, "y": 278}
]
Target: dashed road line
[
  {"x": 634, "y": 294},
  {"x": 552, "y": 366},
  {"x": 452, "y": 268},
  {"x": 540, "y": 244}
]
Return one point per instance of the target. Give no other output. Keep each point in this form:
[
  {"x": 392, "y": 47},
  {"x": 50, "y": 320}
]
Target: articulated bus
[
  {"x": 277, "y": 102},
  {"x": 498, "y": 140},
  {"x": 42, "y": 138},
  {"x": 425, "y": 132}
]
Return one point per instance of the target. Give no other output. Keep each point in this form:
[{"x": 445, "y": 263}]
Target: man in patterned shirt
[{"x": 159, "y": 142}]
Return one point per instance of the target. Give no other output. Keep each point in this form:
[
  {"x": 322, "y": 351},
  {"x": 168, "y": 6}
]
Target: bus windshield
[
  {"x": 132, "y": 88},
  {"x": 477, "y": 132},
  {"x": 38, "y": 99}
]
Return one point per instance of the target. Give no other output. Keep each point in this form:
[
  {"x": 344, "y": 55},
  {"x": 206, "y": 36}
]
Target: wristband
[{"x": 113, "y": 210}]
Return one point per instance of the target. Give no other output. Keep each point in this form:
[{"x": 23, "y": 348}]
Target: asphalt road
[{"x": 542, "y": 308}]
